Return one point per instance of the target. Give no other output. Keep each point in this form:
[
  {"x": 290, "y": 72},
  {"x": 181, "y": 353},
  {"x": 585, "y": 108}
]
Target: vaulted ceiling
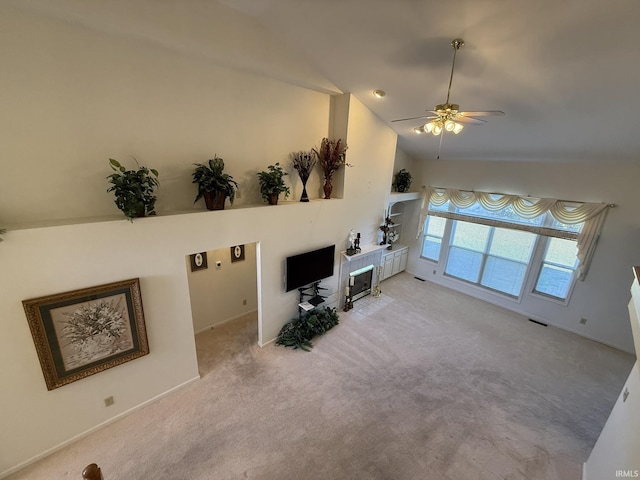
[{"x": 565, "y": 72}]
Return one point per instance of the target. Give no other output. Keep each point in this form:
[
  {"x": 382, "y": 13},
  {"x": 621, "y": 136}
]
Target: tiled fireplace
[{"x": 358, "y": 265}]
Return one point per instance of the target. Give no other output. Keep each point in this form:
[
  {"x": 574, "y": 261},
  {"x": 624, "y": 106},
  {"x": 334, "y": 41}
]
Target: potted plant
[
  {"x": 214, "y": 185},
  {"x": 331, "y": 156},
  {"x": 402, "y": 181},
  {"x": 133, "y": 189},
  {"x": 304, "y": 162},
  {"x": 272, "y": 184}
]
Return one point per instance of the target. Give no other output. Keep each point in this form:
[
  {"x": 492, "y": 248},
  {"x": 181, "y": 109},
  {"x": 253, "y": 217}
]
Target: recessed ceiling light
[{"x": 379, "y": 93}]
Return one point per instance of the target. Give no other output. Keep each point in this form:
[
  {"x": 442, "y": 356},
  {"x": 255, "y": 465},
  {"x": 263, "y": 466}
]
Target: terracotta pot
[
  {"x": 215, "y": 200},
  {"x": 140, "y": 212},
  {"x": 328, "y": 188},
  {"x": 273, "y": 199}
]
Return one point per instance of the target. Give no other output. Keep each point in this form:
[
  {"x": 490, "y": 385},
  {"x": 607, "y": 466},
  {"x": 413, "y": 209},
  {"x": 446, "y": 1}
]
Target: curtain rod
[{"x": 424, "y": 187}]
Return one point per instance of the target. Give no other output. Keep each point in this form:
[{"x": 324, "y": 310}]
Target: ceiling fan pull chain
[{"x": 440, "y": 144}]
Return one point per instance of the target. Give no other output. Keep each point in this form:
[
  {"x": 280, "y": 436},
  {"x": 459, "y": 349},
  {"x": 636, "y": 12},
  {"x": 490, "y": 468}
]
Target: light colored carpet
[{"x": 423, "y": 383}]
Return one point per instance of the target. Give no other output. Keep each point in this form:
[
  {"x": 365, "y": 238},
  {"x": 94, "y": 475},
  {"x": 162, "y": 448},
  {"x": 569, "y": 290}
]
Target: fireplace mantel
[{"x": 365, "y": 250}]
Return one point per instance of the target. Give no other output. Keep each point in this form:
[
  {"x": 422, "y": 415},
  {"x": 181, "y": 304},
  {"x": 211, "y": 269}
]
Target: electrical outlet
[
  {"x": 109, "y": 401},
  {"x": 244, "y": 302},
  {"x": 583, "y": 321}
]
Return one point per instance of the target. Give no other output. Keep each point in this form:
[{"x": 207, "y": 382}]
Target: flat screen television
[{"x": 309, "y": 267}]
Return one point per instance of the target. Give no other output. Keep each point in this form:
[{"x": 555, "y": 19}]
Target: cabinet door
[
  {"x": 387, "y": 266},
  {"x": 403, "y": 260},
  {"x": 396, "y": 262}
]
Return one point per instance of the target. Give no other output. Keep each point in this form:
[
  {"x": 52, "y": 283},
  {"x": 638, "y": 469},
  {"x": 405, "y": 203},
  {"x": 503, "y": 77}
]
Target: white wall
[
  {"x": 71, "y": 99},
  {"x": 603, "y": 296},
  {"x": 413, "y": 165},
  {"x": 56, "y": 259},
  {"x": 218, "y": 295}
]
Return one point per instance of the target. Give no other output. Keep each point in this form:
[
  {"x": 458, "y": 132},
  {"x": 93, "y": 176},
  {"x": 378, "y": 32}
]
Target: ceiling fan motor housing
[{"x": 447, "y": 108}]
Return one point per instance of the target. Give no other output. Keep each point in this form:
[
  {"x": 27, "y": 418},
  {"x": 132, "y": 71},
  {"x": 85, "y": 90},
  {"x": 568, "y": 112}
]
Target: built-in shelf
[
  {"x": 120, "y": 217},
  {"x": 403, "y": 197}
]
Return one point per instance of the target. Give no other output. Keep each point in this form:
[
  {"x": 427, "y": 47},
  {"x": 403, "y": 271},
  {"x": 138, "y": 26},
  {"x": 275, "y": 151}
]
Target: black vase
[{"x": 304, "y": 197}]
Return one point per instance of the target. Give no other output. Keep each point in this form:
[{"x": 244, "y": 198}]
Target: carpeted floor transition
[{"x": 423, "y": 383}]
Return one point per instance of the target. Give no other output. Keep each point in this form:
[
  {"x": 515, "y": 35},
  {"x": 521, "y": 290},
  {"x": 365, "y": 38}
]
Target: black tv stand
[{"x": 312, "y": 294}]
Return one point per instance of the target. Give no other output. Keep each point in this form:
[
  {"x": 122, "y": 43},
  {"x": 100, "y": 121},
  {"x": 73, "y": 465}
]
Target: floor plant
[{"x": 299, "y": 332}]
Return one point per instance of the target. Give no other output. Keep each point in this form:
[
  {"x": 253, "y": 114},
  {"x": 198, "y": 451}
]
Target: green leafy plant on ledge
[
  {"x": 402, "y": 181},
  {"x": 214, "y": 185},
  {"x": 299, "y": 332},
  {"x": 134, "y": 190},
  {"x": 272, "y": 184}
]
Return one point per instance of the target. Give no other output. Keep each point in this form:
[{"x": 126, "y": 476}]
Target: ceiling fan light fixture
[{"x": 444, "y": 115}]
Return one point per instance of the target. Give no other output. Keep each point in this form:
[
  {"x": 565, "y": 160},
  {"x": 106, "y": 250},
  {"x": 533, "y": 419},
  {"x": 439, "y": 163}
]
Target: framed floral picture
[{"x": 83, "y": 332}]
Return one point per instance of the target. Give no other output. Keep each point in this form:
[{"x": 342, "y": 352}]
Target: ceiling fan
[{"x": 447, "y": 116}]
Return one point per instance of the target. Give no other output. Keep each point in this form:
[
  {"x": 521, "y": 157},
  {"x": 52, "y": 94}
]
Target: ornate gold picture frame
[{"x": 83, "y": 332}]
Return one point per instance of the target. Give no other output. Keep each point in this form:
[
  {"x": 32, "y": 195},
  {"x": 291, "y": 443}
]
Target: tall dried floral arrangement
[
  {"x": 304, "y": 162},
  {"x": 331, "y": 155}
]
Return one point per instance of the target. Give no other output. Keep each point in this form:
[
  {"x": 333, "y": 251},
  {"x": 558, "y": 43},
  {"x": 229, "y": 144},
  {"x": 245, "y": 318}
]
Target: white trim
[
  {"x": 360, "y": 271},
  {"x": 267, "y": 343},
  {"x": 80, "y": 436}
]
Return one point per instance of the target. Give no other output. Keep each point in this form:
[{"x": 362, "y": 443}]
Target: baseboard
[
  {"x": 225, "y": 321},
  {"x": 80, "y": 436},
  {"x": 267, "y": 343}
]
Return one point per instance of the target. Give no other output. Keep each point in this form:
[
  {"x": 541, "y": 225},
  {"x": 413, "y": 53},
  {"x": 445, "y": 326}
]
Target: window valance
[{"x": 591, "y": 214}]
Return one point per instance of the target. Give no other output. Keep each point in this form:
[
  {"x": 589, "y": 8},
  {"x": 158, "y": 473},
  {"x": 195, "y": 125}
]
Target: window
[
  {"x": 558, "y": 268},
  {"x": 495, "y": 258},
  {"x": 433, "y": 234},
  {"x": 496, "y": 250}
]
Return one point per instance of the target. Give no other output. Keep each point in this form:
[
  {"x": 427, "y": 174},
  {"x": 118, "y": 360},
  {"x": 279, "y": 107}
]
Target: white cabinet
[{"x": 394, "y": 261}]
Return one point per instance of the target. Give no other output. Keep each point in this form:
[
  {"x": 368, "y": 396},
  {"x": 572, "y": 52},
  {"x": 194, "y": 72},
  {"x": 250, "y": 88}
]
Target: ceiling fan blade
[
  {"x": 470, "y": 120},
  {"x": 485, "y": 113},
  {"x": 413, "y": 118}
]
